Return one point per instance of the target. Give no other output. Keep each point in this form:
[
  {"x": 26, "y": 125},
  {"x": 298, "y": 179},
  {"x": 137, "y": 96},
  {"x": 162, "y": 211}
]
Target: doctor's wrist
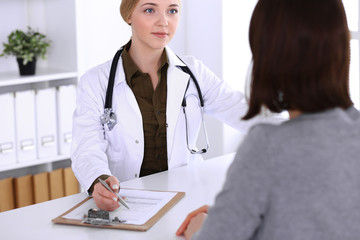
[{"x": 102, "y": 177}]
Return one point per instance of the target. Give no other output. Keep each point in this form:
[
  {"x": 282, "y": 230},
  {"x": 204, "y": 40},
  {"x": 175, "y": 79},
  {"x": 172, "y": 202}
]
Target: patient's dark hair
[{"x": 301, "y": 54}]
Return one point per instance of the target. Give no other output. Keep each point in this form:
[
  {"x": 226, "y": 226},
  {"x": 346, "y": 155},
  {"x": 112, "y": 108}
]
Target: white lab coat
[{"x": 120, "y": 152}]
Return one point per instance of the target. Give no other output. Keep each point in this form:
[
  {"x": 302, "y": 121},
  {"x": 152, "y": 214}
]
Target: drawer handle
[
  {"x": 6, "y": 147},
  {"x": 27, "y": 144},
  {"x": 48, "y": 140},
  {"x": 68, "y": 137}
]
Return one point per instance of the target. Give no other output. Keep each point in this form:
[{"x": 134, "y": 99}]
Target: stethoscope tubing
[{"x": 109, "y": 118}]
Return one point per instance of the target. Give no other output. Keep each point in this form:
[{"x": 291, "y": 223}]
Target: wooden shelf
[
  {"x": 42, "y": 75},
  {"x": 14, "y": 166}
]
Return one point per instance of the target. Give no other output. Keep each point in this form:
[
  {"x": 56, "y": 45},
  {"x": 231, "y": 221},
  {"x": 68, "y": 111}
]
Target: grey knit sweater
[{"x": 299, "y": 180}]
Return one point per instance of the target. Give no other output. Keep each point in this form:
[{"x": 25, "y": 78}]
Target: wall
[
  {"x": 100, "y": 32},
  {"x": 236, "y": 17}
]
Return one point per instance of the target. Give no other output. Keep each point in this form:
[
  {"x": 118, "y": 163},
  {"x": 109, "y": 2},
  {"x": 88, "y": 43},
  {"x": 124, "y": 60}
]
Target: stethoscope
[{"x": 108, "y": 118}]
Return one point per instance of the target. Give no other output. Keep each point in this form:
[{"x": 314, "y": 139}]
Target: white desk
[{"x": 201, "y": 181}]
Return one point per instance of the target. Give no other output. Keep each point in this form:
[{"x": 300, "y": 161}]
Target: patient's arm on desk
[{"x": 195, "y": 225}]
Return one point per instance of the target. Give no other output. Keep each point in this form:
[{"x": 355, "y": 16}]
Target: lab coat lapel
[
  {"x": 176, "y": 85},
  {"x": 120, "y": 81}
]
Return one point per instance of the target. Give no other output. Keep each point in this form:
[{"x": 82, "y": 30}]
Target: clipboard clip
[{"x": 100, "y": 217}]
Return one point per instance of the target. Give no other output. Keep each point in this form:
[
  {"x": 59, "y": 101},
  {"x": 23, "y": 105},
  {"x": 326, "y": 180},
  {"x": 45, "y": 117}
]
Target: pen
[{"x": 108, "y": 188}]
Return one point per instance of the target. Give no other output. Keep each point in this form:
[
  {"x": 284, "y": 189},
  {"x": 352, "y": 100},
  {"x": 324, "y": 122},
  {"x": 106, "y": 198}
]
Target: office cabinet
[
  {"x": 76, "y": 29},
  {"x": 29, "y": 133}
]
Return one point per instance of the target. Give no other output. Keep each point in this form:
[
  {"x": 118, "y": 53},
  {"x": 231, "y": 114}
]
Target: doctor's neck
[{"x": 147, "y": 59}]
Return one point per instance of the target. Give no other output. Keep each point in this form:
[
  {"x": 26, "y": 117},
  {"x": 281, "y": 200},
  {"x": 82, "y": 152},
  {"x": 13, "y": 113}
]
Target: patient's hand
[{"x": 191, "y": 218}]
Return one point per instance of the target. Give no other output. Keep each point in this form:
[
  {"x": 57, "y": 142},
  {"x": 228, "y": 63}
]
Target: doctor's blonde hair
[{"x": 127, "y": 7}]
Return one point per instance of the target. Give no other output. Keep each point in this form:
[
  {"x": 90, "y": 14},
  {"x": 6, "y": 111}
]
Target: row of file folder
[
  {"x": 41, "y": 187},
  {"x": 36, "y": 124}
]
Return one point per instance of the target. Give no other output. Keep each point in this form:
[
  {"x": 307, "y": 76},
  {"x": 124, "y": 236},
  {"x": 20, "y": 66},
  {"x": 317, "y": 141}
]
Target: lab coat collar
[
  {"x": 120, "y": 73},
  {"x": 173, "y": 59}
]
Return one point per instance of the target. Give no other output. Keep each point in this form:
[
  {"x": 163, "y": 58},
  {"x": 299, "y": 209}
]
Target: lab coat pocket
[{"x": 114, "y": 139}]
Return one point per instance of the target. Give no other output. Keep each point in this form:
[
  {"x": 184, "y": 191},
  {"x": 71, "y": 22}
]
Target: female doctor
[{"x": 151, "y": 133}]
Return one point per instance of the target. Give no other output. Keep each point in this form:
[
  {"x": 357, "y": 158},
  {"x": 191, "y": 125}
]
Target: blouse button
[{"x": 136, "y": 141}]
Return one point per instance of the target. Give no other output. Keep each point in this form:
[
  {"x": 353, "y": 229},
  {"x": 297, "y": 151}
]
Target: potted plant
[{"x": 26, "y": 47}]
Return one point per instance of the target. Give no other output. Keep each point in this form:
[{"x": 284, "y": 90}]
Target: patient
[{"x": 301, "y": 179}]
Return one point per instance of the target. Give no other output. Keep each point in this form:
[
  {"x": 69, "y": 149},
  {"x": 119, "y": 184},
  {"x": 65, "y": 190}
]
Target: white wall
[
  {"x": 236, "y": 55},
  {"x": 100, "y": 32}
]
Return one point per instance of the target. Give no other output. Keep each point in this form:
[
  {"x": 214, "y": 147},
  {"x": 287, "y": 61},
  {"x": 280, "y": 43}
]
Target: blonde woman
[{"x": 151, "y": 132}]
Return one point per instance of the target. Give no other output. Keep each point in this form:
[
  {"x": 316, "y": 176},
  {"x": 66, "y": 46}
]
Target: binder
[
  {"x": 41, "y": 187},
  {"x": 46, "y": 122},
  {"x": 66, "y": 102},
  {"x": 23, "y": 191},
  {"x": 7, "y": 129},
  {"x": 25, "y": 125},
  {"x": 7, "y": 201},
  {"x": 71, "y": 184},
  {"x": 56, "y": 182}
]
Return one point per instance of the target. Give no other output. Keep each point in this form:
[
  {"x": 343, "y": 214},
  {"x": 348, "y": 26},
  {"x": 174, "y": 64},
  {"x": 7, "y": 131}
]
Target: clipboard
[{"x": 144, "y": 227}]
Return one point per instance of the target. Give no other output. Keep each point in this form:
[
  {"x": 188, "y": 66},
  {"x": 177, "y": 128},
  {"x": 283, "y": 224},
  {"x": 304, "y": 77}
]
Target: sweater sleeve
[{"x": 240, "y": 207}]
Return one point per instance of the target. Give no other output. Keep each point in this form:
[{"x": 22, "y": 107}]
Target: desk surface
[{"x": 200, "y": 180}]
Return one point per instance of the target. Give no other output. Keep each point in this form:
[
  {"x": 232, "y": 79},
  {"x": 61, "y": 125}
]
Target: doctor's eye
[
  {"x": 149, "y": 10},
  {"x": 173, "y": 11}
]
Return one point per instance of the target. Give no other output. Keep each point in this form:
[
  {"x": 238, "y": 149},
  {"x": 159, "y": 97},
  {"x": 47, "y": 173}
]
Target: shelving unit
[
  {"x": 35, "y": 162},
  {"x": 8, "y": 79},
  {"x": 57, "y": 20},
  {"x": 84, "y": 33}
]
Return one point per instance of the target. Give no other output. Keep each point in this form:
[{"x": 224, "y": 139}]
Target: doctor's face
[{"x": 154, "y": 23}]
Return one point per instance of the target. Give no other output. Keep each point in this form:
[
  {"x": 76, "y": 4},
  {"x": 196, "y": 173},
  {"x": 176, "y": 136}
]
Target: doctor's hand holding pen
[{"x": 105, "y": 199}]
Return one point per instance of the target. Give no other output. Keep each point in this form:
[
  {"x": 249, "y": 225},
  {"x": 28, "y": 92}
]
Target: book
[
  {"x": 70, "y": 182},
  {"x": 7, "y": 200},
  {"x": 41, "y": 187},
  {"x": 56, "y": 183},
  {"x": 23, "y": 191}
]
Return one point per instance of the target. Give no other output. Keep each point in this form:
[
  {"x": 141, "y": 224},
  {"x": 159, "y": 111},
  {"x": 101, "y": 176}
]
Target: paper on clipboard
[
  {"x": 143, "y": 205},
  {"x": 146, "y": 208}
]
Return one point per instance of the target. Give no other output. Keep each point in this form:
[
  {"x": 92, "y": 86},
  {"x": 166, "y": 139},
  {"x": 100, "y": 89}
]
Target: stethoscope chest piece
[{"x": 108, "y": 118}]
